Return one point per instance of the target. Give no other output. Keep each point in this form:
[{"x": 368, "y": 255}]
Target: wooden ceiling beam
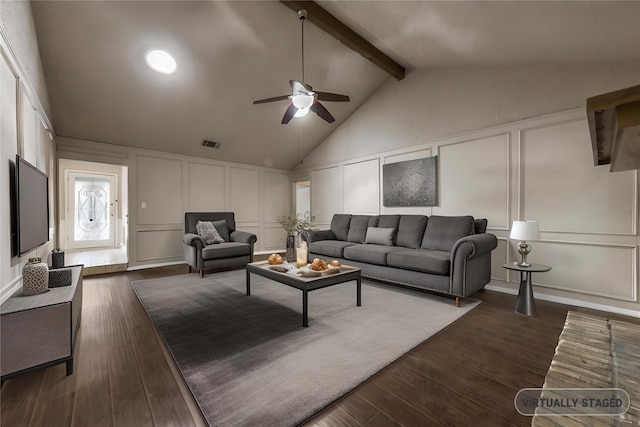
[{"x": 332, "y": 26}]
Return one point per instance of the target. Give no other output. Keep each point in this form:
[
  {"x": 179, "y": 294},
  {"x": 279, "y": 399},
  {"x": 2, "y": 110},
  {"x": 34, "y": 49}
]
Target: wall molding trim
[
  {"x": 11, "y": 58},
  {"x": 508, "y": 183},
  {"x": 520, "y": 163},
  {"x": 634, "y": 269}
]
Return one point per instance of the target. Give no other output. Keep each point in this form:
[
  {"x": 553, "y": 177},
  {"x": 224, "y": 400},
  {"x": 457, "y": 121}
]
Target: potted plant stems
[{"x": 297, "y": 226}]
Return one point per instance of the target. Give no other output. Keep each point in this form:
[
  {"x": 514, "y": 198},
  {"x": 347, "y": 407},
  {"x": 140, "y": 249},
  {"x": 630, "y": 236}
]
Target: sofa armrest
[
  {"x": 192, "y": 246},
  {"x": 192, "y": 239},
  {"x": 316, "y": 235},
  {"x": 474, "y": 245},
  {"x": 471, "y": 263},
  {"x": 243, "y": 237}
]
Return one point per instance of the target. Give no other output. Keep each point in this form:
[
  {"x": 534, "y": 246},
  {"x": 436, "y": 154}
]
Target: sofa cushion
[
  {"x": 380, "y": 236},
  {"x": 371, "y": 254},
  {"x": 443, "y": 231},
  {"x": 340, "y": 226},
  {"x": 411, "y": 231},
  {"x": 358, "y": 227},
  {"x": 226, "y": 250},
  {"x": 389, "y": 221},
  {"x": 480, "y": 226},
  {"x": 330, "y": 248},
  {"x": 424, "y": 260},
  {"x": 208, "y": 232}
]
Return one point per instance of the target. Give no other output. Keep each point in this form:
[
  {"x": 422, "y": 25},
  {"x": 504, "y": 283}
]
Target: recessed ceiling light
[{"x": 160, "y": 61}]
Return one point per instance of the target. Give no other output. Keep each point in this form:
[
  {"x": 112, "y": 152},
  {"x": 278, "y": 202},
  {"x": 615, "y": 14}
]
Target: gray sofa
[
  {"x": 237, "y": 249},
  {"x": 450, "y": 255}
]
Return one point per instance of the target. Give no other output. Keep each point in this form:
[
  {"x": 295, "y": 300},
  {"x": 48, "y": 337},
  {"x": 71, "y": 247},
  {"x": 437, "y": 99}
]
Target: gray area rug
[{"x": 248, "y": 361}]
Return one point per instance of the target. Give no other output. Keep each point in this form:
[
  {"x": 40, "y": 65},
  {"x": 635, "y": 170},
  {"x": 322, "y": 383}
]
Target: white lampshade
[
  {"x": 525, "y": 231},
  {"x": 302, "y": 101}
]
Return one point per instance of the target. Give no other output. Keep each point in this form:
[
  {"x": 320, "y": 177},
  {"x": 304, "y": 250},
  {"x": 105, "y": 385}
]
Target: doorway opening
[
  {"x": 93, "y": 215},
  {"x": 303, "y": 197}
]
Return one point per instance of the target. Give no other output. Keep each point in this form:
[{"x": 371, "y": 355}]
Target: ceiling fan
[{"x": 303, "y": 97}]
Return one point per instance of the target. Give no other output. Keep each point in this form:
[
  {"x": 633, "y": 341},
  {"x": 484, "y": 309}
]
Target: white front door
[{"x": 90, "y": 214}]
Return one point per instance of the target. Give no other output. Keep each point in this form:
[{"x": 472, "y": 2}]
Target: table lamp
[{"x": 524, "y": 231}]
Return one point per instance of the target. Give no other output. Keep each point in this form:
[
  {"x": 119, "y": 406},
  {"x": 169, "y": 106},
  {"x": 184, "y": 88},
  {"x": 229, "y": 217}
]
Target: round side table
[{"x": 526, "y": 304}]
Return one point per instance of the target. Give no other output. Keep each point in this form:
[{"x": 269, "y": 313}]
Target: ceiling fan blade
[
  {"x": 300, "y": 87},
  {"x": 275, "y": 98},
  {"x": 288, "y": 115},
  {"x": 322, "y": 112},
  {"x": 333, "y": 97}
]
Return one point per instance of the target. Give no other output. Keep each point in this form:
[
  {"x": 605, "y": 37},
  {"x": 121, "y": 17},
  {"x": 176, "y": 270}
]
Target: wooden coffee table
[{"x": 306, "y": 284}]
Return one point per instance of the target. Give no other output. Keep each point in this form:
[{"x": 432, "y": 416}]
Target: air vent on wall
[{"x": 211, "y": 144}]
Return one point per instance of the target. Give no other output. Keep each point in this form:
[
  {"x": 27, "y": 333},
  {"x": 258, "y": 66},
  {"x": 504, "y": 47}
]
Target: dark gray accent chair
[
  {"x": 237, "y": 250},
  {"x": 449, "y": 255}
]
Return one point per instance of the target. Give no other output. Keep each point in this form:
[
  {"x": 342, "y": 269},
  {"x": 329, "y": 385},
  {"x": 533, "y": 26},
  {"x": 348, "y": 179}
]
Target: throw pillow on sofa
[
  {"x": 380, "y": 236},
  {"x": 209, "y": 233}
]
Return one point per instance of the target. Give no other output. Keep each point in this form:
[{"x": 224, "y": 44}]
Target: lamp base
[{"x": 524, "y": 249}]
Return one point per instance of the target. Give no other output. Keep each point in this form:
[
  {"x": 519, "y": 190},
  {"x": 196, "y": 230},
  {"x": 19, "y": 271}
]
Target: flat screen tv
[{"x": 32, "y": 207}]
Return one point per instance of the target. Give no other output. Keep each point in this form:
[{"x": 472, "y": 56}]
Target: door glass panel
[{"x": 92, "y": 212}]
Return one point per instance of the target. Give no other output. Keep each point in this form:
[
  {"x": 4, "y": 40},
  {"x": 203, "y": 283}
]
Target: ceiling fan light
[
  {"x": 301, "y": 112},
  {"x": 302, "y": 101}
]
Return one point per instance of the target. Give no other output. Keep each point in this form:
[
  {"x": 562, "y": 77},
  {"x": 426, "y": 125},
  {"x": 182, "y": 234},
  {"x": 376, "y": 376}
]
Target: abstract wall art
[{"x": 410, "y": 183}]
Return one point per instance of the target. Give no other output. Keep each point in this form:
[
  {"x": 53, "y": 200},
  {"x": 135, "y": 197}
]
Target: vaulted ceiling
[{"x": 230, "y": 53}]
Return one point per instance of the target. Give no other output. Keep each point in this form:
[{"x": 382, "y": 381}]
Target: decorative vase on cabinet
[
  {"x": 57, "y": 258},
  {"x": 35, "y": 277}
]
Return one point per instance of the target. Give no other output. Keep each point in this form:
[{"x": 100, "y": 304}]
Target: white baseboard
[
  {"x": 569, "y": 301},
  {"x": 160, "y": 264},
  {"x": 270, "y": 252},
  {"x": 13, "y": 286}
]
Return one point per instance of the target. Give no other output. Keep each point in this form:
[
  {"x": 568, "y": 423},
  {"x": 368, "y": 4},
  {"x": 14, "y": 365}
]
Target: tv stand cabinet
[{"x": 40, "y": 330}]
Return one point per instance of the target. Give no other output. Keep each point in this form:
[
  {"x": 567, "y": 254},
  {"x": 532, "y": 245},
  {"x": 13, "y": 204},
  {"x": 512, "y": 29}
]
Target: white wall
[
  {"x": 17, "y": 27},
  {"x": 429, "y": 105},
  {"x": 169, "y": 185},
  {"x": 24, "y": 130},
  {"x": 538, "y": 169}
]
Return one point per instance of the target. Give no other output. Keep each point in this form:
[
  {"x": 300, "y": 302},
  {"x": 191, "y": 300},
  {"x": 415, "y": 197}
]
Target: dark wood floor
[{"x": 467, "y": 375}]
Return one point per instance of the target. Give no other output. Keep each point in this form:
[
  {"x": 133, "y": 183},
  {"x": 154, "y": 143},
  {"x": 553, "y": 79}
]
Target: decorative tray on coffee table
[
  {"x": 306, "y": 271},
  {"x": 309, "y": 272}
]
